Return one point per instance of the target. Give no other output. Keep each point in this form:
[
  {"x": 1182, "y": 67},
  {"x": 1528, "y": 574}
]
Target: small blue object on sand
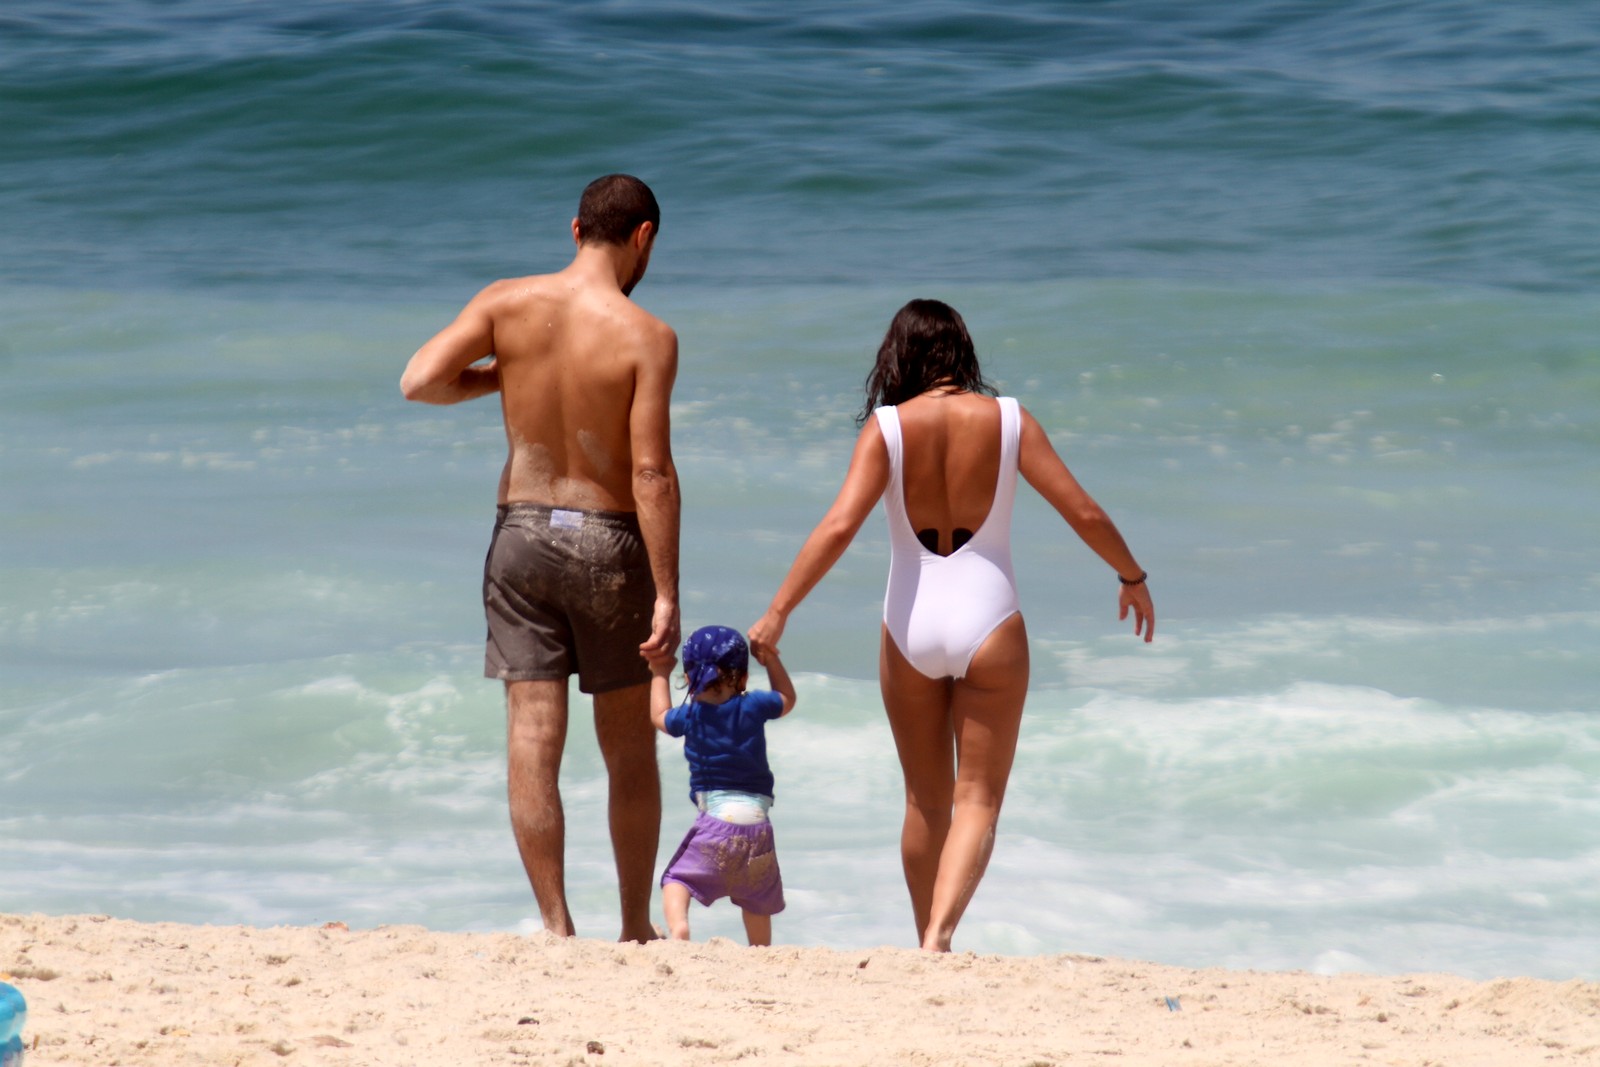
[
  {"x": 1173, "y": 1005},
  {"x": 13, "y": 1016}
]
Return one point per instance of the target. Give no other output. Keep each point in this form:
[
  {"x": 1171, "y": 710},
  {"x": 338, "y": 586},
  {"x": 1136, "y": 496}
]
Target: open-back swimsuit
[{"x": 939, "y": 609}]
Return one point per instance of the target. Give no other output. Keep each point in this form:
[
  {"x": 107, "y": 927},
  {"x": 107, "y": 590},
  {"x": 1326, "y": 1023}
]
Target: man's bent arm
[
  {"x": 655, "y": 489},
  {"x": 443, "y": 370}
]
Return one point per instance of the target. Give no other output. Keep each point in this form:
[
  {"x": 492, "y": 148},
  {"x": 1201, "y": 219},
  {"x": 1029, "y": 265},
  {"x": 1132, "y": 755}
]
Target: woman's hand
[
  {"x": 765, "y": 635},
  {"x": 1137, "y": 597}
]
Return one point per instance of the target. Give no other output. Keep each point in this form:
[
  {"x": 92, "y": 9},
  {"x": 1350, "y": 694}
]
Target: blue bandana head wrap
[{"x": 711, "y": 650}]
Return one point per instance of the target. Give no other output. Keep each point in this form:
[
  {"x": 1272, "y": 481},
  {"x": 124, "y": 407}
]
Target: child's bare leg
[
  {"x": 758, "y": 928},
  {"x": 675, "y": 904}
]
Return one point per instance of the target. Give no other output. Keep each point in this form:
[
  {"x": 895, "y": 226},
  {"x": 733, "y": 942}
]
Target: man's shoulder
[
  {"x": 665, "y": 332},
  {"x": 649, "y": 342},
  {"x": 649, "y": 326},
  {"x": 508, "y": 297},
  {"x": 527, "y": 287}
]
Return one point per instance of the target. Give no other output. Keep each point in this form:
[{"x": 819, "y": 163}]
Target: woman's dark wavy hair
[{"x": 927, "y": 345}]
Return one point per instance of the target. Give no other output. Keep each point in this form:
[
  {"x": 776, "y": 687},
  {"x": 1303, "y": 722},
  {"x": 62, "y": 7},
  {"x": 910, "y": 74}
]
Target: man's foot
[
  {"x": 558, "y": 920},
  {"x": 639, "y": 935}
]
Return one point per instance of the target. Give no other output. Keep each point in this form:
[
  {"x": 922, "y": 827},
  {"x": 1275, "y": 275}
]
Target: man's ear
[
  {"x": 577, "y": 234},
  {"x": 642, "y": 236}
]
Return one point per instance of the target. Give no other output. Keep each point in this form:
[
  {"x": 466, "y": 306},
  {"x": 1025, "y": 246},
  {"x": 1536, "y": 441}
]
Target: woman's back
[
  {"x": 951, "y": 465},
  {"x": 941, "y": 605}
]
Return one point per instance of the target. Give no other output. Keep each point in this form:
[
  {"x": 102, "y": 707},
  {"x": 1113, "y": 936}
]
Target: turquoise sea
[{"x": 1307, "y": 295}]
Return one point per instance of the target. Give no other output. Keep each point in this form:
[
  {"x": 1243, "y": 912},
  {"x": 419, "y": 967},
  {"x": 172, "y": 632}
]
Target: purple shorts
[{"x": 722, "y": 859}]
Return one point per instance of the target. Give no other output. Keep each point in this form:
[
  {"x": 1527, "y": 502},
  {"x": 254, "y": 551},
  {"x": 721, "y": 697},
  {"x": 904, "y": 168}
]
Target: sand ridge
[{"x": 107, "y": 991}]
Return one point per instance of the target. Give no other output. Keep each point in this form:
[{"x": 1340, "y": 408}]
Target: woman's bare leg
[
  {"x": 919, "y": 717},
  {"x": 986, "y": 716}
]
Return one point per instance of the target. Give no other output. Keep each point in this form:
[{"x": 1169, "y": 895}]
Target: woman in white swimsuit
[{"x": 944, "y": 453}]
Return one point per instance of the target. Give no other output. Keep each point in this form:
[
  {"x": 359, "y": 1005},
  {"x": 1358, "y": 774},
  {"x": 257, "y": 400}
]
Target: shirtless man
[{"x": 582, "y": 571}]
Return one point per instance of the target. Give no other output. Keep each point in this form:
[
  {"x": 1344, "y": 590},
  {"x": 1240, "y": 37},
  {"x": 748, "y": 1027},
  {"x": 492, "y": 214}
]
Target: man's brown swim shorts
[{"x": 567, "y": 590}]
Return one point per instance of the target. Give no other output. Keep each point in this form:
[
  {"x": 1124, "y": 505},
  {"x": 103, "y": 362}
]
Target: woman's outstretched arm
[
  {"x": 863, "y": 485},
  {"x": 1042, "y": 467}
]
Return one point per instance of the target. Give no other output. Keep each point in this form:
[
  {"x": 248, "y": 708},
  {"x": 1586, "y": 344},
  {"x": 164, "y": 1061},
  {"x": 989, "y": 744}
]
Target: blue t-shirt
[{"x": 726, "y": 744}]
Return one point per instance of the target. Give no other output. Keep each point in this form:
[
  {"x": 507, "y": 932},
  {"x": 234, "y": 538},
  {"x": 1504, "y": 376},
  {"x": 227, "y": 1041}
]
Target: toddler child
[{"x": 729, "y": 851}]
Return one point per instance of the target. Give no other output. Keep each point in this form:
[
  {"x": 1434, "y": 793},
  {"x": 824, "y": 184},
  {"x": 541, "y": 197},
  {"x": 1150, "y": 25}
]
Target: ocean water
[{"x": 1307, "y": 298}]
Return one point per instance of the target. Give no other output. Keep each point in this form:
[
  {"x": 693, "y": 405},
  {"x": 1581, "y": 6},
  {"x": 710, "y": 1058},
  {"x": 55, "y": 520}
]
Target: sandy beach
[{"x": 108, "y": 991}]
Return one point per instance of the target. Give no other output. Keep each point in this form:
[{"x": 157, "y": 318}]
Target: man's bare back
[
  {"x": 585, "y": 381},
  {"x": 582, "y": 373},
  {"x": 571, "y": 359}
]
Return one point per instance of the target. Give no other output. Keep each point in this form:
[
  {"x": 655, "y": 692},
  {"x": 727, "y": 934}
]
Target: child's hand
[
  {"x": 661, "y": 666},
  {"x": 777, "y": 674},
  {"x": 765, "y": 634}
]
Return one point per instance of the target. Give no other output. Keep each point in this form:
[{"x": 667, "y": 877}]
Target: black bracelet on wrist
[{"x": 1134, "y": 581}]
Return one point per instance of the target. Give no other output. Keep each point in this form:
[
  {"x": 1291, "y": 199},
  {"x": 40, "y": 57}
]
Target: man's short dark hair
[{"x": 612, "y": 207}]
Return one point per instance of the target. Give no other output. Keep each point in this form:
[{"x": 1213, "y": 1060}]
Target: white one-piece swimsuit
[{"x": 938, "y": 609}]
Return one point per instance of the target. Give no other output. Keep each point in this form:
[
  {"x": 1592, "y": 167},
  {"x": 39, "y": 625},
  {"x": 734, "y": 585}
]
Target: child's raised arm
[
  {"x": 777, "y": 676},
  {"x": 661, "y": 689}
]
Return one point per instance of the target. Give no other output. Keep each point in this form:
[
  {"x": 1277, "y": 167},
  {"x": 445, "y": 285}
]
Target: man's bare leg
[
  {"x": 628, "y": 744},
  {"x": 675, "y": 906},
  {"x": 536, "y": 733},
  {"x": 758, "y": 928}
]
